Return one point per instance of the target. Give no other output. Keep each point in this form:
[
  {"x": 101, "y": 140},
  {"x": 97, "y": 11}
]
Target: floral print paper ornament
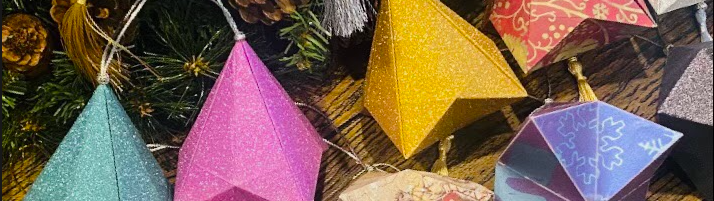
[
  {"x": 412, "y": 185},
  {"x": 542, "y": 32}
]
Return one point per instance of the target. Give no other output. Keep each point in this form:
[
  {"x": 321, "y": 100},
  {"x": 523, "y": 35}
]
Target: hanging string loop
[
  {"x": 381, "y": 167},
  {"x": 231, "y": 22},
  {"x": 113, "y": 46}
]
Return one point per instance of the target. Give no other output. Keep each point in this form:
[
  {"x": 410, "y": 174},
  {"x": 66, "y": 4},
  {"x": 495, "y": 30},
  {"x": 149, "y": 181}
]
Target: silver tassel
[
  {"x": 702, "y": 19},
  {"x": 345, "y": 17}
]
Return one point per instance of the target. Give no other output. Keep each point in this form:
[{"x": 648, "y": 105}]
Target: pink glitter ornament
[{"x": 250, "y": 142}]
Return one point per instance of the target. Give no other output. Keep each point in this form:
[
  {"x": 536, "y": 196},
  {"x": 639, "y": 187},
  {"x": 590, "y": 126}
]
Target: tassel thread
[
  {"x": 84, "y": 46},
  {"x": 586, "y": 92},
  {"x": 346, "y": 17},
  {"x": 440, "y": 166},
  {"x": 701, "y": 16}
]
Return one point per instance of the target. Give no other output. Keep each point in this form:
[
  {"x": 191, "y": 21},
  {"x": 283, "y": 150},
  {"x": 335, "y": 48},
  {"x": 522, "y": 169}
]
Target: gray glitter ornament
[
  {"x": 686, "y": 106},
  {"x": 102, "y": 158}
]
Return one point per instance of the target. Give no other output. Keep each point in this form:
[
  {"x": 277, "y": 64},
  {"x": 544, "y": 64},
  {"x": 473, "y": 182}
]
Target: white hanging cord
[
  {"x": 701, "y": 15},
  {"x": 113, "y": 45},
  {"x": 232, "y": 23},
  {"x": 351, "y": 153},
  {"x": 157, "y": 147}
]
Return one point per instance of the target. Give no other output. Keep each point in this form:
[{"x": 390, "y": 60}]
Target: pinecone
[
  {"x": 266, "y": 11},
  {"x": 108, "y": 14},
  {"x": 25, "y": 44}
]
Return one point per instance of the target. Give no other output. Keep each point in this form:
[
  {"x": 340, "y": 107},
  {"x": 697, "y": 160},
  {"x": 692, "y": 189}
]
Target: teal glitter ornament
[{"x": 102, "y": 158}]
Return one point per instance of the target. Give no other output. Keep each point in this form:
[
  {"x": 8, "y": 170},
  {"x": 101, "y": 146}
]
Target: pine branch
[
  {"x": 309, "y": 40},
  {"x": 12, "y": 89},
  {"x": 187, "y": 45},
  {"x": 64, "y": 96}
]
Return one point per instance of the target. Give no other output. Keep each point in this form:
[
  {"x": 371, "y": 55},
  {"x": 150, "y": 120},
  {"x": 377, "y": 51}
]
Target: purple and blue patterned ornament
[{"x": 587, "y": 151}]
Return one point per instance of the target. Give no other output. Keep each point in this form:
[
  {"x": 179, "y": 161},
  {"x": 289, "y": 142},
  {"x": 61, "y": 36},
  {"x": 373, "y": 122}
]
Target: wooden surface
[{"x": 625, "y": 74}]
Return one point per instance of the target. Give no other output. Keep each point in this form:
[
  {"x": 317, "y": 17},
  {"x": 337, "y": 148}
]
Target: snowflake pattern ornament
[
  {"x": 589, "y": 151},
  {"x": 542, "y": 32}
]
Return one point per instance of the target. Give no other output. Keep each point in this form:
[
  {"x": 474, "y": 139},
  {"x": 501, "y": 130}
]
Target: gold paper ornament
[{"x": 431, "y": 73}]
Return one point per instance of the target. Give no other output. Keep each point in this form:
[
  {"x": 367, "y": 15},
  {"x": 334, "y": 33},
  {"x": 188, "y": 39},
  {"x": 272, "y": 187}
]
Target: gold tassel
[
  {"x": 84, "y": 46},
  {"x": 440, "y": 167},
  {"x": 586, "y": 92}
]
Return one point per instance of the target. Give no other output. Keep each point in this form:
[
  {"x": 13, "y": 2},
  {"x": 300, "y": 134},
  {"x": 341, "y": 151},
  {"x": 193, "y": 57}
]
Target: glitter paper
[
  {"x": 102, "y": 158},
  {"x": 410, "y": 185},
  {"x": 431, "y": 73},
  {"x": 686, "y": 106},
  {"x": 582, "y": 151},
  {"x": 542, "y": 32},
  {"x": 665, "y": 6},
  {"x": 250, "y": 142}
]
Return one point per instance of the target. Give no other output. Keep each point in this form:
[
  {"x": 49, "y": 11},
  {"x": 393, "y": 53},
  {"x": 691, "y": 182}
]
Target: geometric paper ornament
[
  {"x": 413, "y": 185},
  {"x": 102, "y": 158},
  {"x": 250, "y": 141},
  {"x": 541, "y": 32},
  {"x": 431, "y": 73},
  {"x": 665, "y": 6},
  {"x": 588, "y": 151},
  {"x": 686, "y": 106}
]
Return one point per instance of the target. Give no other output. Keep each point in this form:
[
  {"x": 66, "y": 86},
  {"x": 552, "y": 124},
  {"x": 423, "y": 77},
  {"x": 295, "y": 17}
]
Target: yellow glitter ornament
[{"x": 432, "y": 73}]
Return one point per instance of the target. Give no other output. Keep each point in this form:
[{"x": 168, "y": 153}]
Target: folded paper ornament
[
  {"x": 250, "y": 142},
  {"x": 542, "y": 32},
  {"x": 102, "y": 158},
  {"x": 428, "y": 78},
  {"x": 411, "y": 185},
  {"x": 665, "y": 6},
  {"x": 686, "y": 106},
  {"x": 588, "y": 151}
]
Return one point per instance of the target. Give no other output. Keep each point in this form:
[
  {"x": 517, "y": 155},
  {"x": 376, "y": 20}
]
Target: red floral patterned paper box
[{"x": 542, "y": 32}]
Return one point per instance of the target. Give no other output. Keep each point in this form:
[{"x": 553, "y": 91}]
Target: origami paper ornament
[
  {"x": 102, "y": 158},
  {"x": 542, "y": 32},
  {"x": 665, "y": 6},
  {"x": 250, "y": 142},
  {"x": 686, "y": 106},
  {"x": 414, "y": 186},
  {"x": 428, "y": 78},
  {"x": 582, "y": 151}
]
